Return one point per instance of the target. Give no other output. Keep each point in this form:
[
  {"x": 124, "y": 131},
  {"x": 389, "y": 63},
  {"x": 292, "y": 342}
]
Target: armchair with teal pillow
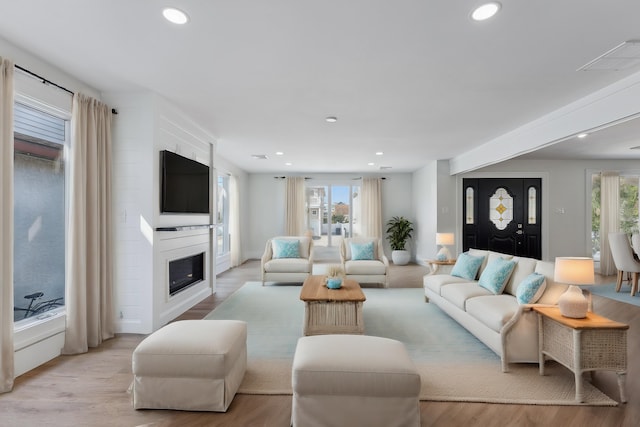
[
  {"x": 287, "y": 259},
  {"x": 364, "y": 261}
]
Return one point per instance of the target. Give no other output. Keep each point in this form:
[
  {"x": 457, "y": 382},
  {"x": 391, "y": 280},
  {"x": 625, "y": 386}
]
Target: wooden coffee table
[{"x": 332, "y": 311}]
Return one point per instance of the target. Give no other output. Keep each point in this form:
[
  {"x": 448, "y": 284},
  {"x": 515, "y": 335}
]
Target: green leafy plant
[{"x": 399, "y": 230}]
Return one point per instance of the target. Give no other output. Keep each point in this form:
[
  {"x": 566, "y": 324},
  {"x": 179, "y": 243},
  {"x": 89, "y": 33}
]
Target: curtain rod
[{"x": 49, "y": 82}]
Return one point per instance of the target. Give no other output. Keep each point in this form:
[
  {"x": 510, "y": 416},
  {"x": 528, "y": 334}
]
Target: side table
[
  {"x": 583, "y": 345},
  {"x": 434, "y": 265}
]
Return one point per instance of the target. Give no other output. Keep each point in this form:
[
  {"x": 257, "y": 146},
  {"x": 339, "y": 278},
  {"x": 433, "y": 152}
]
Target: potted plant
[
  {"x": 399, "y": 230},
  {"x": 335, "y": 274}
]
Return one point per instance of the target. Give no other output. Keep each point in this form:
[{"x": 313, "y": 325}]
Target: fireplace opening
[{"x": 185, "y": 272}]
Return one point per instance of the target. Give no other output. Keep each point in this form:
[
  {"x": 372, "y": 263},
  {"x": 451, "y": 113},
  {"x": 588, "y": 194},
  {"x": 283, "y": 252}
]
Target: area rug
[
  {"x": 609, "y": 291},
  {"x": 453, "y": 364}
]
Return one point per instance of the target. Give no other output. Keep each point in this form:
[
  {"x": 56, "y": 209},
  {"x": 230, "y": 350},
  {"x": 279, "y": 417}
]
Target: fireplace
[{"x": 185, "y": 272}]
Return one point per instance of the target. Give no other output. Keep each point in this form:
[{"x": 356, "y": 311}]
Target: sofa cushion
[
  {"x": 495, "y": 275},
  {"x": 482, "y": 253},
  {"x": 361, "y": 251},
  {"x": 523, "y": 268},
  {"x": 531, "y": 288},
  {"x": 493, "y": 311},
  {"x": 288, "y": 265},
  {"x": 467, "y": 266},
  {"x": 459, "y": 293},
  {"x": 434, "y": 282},
  {"x": 345, "y": 246},
  {"x": 553, "y": 290},
  {"x": 286, "y": 248},
  {"x": 374, "y": 267}
]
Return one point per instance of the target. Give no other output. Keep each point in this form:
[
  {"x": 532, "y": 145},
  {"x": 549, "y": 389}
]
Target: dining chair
[{"x": 623, "y": 259}]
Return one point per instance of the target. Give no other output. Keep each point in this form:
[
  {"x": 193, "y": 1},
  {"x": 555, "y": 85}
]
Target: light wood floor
[{"x": 90, "y": 389}]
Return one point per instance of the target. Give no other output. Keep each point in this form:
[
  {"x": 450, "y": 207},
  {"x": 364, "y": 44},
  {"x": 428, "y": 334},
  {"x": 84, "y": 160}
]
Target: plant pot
[
  {"x": 334, "y": 282},
  {"x": 400, "y": 257}
]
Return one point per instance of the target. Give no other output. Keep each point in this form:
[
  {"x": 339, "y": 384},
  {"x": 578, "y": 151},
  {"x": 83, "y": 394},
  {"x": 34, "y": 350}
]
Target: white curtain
[
  {"x": 294, "y": 216},
  {"x": 88, "y": 293},
  {"x": 609, "y": 218},
  {"x": 234, "y": 221},
  {"x": 6, "y": 226},
  {"x": 371, "y": 206}
]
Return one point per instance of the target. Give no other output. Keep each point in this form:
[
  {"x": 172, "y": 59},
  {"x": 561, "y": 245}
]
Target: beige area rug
[{"x": 484, "y": 382}]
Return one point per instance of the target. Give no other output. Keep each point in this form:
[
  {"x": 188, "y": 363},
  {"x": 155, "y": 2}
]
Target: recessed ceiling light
[
  {"x": 288, "y": 164},
  {"x": 379, "y": 153},
  {"x": 485, "y": 11},
  {"x": 279, "y": 153},
  {"x": 331, "y": 119},
  {"x": 175, "y": 16},
  {"x": 582, "y": 135},
  {"x": 371, "y": 164}
]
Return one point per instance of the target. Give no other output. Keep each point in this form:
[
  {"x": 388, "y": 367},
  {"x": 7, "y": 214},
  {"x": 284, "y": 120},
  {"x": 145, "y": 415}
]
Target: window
[
  {"x": 629, "y": 214},
  {"x": 39, "y": 211},
  {"x": 333, "y": 212},
  {"x": 222, "y": 217}
]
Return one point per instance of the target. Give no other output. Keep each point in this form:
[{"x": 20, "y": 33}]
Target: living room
[{"x": 430, "y": 194}]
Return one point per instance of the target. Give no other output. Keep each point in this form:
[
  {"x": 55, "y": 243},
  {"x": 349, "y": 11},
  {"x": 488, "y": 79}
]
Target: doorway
[{"x": 503, "y": 215}]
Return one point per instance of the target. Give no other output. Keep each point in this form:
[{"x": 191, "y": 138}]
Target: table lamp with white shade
[
  {"x": 444, "y": 239},
  {"x": 574, "y": 271}
]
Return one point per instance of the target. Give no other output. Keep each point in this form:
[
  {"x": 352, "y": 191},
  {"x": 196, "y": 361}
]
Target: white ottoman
[
  {"x": 191, "y": 365},
  {"x": 354, "y": 380}
]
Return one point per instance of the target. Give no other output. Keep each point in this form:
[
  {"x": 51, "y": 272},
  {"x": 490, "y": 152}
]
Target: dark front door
[{"x": 503, "y": 215}]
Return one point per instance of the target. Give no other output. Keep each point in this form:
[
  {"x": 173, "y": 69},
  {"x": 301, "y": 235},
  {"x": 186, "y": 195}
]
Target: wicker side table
[
  {"x": 435, "y": 265},
  {"x": 583, "y": 345}
]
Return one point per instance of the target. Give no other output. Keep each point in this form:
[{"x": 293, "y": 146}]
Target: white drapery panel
[
  {"x": 294, "y": 215},
  {"x": 371, "y": 207},
  {"x": 234, "y": 221},
  {"x": 7, "y": 369},
  {"x": 89, "y": 284},
  {"x": 609, "y": 218}
]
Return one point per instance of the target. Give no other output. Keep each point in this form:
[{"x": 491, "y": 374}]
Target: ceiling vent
[
  {"x": 624, "y": 56},
  {"x": 259, "y": 156},
  {"x": 385, "y": 168}
]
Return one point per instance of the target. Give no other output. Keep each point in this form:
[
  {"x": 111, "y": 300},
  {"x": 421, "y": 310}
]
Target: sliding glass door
[{"x": 332, "y": 213}]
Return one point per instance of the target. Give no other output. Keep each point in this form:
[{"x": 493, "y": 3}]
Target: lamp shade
[
  {"x": 444, "y": 238},
  {"x": 574, "y": 270}
]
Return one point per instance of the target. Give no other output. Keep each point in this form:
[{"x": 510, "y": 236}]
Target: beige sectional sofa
[{"x": 507, "y": 327}]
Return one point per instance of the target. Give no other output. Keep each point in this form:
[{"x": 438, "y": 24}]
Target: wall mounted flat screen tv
[{"x": 184, "y": 185}]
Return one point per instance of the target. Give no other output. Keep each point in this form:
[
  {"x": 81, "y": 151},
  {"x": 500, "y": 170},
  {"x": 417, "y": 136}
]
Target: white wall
[
  {"x": 436, "y": 205},
  {"x": 145, "y": 125},
  {"x": 267, "y": 201}
]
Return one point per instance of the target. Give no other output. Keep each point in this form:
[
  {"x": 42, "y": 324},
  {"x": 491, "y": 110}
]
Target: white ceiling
[{"x": 415, "y": 79}]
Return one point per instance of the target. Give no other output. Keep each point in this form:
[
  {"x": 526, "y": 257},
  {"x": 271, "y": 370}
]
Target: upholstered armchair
[
  {"x": 287, "y": 259},
  {"x": 364, "y": 261}
]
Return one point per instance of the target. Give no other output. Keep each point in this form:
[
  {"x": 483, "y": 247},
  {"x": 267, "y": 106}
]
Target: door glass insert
[
  {"x": 469, "y": 214},
  {"x": 532, "y": 206},
  {"x": 501, "y": 208}
]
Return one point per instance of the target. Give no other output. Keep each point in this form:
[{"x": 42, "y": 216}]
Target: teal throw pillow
[
  {"x": 531, "y": 288},
  {"x": 467, "y": 266},
  {"x": 286, "y": 248},
  {"x": 495, "y": 275},
  {"x": 362, "y": 251}
]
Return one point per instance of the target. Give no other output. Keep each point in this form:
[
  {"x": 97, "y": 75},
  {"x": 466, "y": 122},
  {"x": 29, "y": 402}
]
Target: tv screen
[{"x": 184, "y": 184}]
